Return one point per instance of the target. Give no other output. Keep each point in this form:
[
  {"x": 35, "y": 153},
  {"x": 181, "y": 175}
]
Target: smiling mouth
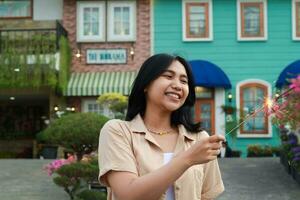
[{"x": 173, "y": 95}]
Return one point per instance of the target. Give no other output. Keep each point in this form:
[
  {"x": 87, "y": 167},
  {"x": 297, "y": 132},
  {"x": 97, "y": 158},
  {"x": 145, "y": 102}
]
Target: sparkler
[{"x": 269, "y": 103}]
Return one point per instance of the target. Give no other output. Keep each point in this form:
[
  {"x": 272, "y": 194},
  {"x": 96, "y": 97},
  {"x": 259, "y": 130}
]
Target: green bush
[
  {"x": 7, "y": 154},
  {"x": 257, "y": 150},
  {"x": 78, "y": 132}
]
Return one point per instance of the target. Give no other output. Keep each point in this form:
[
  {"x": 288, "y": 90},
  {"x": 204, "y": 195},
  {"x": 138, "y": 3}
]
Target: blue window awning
[
  {"x": 291, "y": 71},
  {"x": 207, "y": 74}
]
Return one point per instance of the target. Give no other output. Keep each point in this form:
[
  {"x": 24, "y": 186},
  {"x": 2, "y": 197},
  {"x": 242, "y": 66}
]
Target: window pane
[
  {"x": 298, "y": 18},
  {"x": 95, "y": 15},
  {"x": 252, "y": 99},
  {"x": 15, "y": 8},
  {"x": 202, "y": 92},
  {"x": 197, "y": 21},
  {"x": 126, "y": 26},
  {"x": 121, "y": 20},
  {"x": 86, "y": 14},
  {"x": 252, "y": 20},
  {"x": 91, "y": 21},
  {"x": 95, "y": 28},
  {"x": 126, "y": 14},
  {"x": 86, "y": 29},
  {"x": 117, "y": 13}
]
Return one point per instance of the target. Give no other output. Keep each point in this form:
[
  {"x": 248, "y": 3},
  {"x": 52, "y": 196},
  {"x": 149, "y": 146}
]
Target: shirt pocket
[{"x": 197, "y": 172}]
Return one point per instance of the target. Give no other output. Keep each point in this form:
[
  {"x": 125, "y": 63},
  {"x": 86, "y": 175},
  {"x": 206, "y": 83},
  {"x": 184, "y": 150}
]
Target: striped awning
[{"x": 97, "y": 83}]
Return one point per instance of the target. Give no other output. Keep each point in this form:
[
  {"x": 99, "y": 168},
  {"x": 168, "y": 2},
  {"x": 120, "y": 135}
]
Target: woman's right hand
[{"x": 204, "y": 150}]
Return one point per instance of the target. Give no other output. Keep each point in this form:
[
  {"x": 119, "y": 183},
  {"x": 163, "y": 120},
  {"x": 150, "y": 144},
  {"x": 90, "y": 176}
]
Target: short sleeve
[
  {"x": 212, "y": 181},
  {"x": 115, "y": 151}
]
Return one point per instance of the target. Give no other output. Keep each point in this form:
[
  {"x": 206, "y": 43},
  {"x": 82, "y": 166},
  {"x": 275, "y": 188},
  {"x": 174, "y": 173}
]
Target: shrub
[
  {"x": 7, "y": 154},
  {"x": 75, "y": 177},
  {"x": 257, "y": 150},
  {"x": 78, "y": 132}
]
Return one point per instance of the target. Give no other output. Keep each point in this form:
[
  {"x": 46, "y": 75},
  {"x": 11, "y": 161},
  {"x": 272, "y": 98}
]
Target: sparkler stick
[
  {"x": 247, "y": 117},
  {"x": 269, "y": 103}
]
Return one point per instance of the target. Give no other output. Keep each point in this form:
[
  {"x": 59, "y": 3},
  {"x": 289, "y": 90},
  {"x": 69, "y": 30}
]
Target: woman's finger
[
  {"x": 216, "y": 138},
  {"x": 215, "y": 146}
]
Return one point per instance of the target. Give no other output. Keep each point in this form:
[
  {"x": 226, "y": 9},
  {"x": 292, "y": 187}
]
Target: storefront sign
[{"x": 106, "y": 56}]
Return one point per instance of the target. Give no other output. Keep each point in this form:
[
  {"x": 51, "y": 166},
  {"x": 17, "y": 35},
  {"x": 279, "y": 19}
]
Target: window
[
  {"x": 16, "y": 9},
  {"x": 197, "y": 20},
  {"x": 252, "y": 20},
  {"x": 91, "y": 105},
  {"x": 296, "y": 19},
  {"x": 121, "y": 17},
  {"x": 90, "y": 21},
  {"x": 94, "y": 25},
  {"x": 251, "y": 99}
]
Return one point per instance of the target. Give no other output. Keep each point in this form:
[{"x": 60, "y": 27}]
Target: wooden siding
[{"x": 240, "y": 60}]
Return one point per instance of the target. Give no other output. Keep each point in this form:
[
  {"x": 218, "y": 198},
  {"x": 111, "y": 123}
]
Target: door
[{"x": 204, "y": 113}]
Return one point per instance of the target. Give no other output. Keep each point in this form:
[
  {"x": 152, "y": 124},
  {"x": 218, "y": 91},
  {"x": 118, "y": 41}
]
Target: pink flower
[
  {"x": 55, "y": 165},
  {"x": 295, "y": 84}
]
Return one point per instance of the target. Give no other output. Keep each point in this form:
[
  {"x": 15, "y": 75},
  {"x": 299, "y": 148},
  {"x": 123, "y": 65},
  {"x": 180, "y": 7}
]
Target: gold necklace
[{"x": 160, "y": 132}]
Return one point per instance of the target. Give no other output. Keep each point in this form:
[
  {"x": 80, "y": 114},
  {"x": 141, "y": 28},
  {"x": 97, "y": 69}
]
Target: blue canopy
[
  {"x": 291, "y": 71},
  {"x": 207, "y": 74}
]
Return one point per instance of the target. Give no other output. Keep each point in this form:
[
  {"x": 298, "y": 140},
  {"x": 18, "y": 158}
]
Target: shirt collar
[{"x": 137, "y": 125}]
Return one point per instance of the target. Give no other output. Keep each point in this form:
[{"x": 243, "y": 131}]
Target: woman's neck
[{"x": 157, "y": 120}]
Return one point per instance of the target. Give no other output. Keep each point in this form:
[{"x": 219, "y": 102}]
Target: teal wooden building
[{"x": 251, "y": 42}]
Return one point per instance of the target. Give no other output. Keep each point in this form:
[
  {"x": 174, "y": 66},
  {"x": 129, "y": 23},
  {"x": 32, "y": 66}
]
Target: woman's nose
[{"x": 176, "y": 86}]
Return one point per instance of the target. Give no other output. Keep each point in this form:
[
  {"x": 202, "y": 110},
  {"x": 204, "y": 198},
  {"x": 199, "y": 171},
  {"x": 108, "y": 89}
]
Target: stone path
[{"x": 244, "y": 179}]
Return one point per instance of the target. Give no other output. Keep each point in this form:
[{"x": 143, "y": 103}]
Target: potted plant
[{"x": 228, "y": 109}]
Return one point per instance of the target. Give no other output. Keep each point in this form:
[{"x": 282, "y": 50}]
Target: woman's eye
[
  {"x": 167, "y": 75},
  {"x": 184, "y": 81}
]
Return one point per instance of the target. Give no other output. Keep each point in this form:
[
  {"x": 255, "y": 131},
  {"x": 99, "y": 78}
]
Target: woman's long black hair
[{"x": 151, "y": 69}]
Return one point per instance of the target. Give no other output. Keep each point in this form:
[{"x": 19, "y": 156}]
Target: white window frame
[
  {"x": 269, "y": 95},
  {"x": 265, "y": 21},
  {"x": 80, "y": 6},
  {"x": 132, "y": 19},
  {"x": 294, "y": 25},
  {"x": 210, "y": 25}
]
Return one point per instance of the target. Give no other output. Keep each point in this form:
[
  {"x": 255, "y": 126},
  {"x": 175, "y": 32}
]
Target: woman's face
[{"x": 170, "y": 90}]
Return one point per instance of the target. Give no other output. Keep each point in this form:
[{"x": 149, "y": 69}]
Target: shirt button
[{"x": 177, "y": 187}]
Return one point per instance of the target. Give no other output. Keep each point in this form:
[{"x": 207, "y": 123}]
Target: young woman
[{"x": 158, "y": 153}]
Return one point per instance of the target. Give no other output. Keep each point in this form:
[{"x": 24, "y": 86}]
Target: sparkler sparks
[{"x": 269, "y": 106}]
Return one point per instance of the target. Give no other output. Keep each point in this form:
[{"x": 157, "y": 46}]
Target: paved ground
[
  {"x": 25, "y": 180},
  {"x": 257, "y": 179},
  {"x": 244, "y": 179}
]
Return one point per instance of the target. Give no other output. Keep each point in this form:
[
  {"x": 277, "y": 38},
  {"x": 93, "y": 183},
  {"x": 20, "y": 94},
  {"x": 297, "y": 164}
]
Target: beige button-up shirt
[{"x": 128, "y": 146}]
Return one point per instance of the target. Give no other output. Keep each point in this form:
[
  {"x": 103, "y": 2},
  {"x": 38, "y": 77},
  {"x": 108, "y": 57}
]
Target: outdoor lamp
[
  {"x": 78, "y": 54},
  {"x": 131, "y": 52},
  {"x": 229, "y": 96},
  {"x": 55, "y": 108}
]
